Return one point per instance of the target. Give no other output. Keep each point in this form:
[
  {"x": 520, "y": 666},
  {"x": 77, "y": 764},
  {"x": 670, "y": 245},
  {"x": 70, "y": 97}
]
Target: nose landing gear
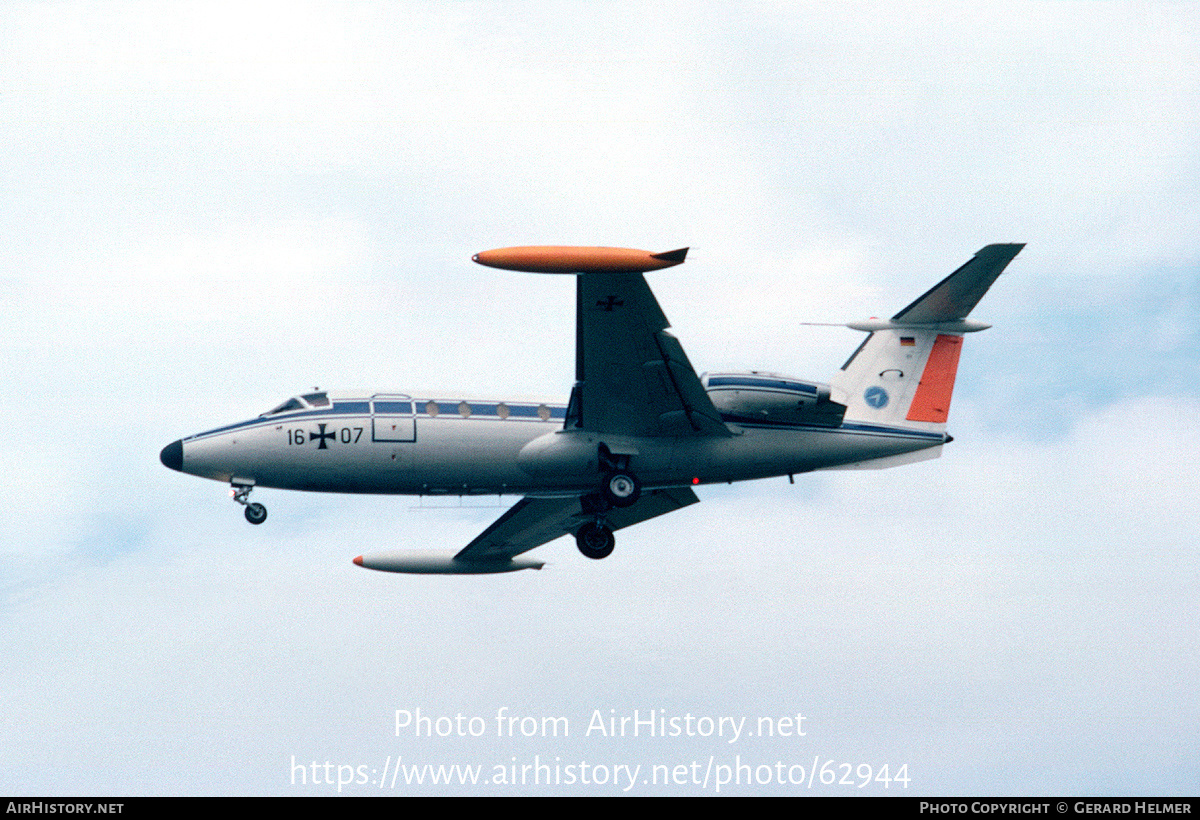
[{"x": 255, "y": 513}]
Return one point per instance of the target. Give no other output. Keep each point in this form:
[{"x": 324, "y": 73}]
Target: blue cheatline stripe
[
  {"x": 777, "y": 384},
  {"x": 865, "y": 429},
  {"x": 528, "y": 412},
  {"x": 487, "y": 409},
  {"x": 286, "y": 418},
  {"x": 891, "y": 431},
  {"x": 525, "y": 411},
  {"x": 403, "y": 408},
  {"x": 295, "y": 417},
  {"x": 361, "y": 409}
]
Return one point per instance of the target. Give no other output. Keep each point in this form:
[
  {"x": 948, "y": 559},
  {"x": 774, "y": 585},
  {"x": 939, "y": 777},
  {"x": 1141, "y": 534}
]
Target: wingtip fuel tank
[
  {"x": 568, "y": 259},
  {"x": 436, "y": 564}
]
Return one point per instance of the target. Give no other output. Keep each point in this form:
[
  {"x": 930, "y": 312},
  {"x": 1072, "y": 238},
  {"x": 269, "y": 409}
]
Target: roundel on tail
[{"x": 876, "y": 397}]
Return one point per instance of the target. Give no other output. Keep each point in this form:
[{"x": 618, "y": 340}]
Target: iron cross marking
[
  {"x": 322, "y": 437},
  {"x": 611, "y": 303}
]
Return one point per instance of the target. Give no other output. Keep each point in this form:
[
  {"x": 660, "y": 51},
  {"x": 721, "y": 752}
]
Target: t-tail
[{"x": 903, "y": 372}]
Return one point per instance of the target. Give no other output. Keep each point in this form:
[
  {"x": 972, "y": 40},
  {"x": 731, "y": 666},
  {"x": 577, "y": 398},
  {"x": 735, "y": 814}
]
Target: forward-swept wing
[
  {"x": 632, "y": 379},
  {"x": 632, "y": 376}
]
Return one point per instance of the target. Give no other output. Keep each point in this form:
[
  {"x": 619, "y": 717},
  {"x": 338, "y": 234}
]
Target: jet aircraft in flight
[{"x": 639, "y": 431}]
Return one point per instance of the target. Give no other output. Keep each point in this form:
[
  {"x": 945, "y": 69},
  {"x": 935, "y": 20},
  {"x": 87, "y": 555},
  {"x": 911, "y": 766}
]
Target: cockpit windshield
[
  {"x": 287, "y": 407},
  {"x": 300, "y": 403}
]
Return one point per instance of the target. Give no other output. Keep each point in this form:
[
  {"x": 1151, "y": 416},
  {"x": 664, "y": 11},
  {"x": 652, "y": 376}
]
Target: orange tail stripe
[{"x": 932, "y": 401}]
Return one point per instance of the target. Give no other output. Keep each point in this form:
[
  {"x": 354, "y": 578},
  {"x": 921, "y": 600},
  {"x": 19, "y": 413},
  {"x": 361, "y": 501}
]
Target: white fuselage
[{"x": 390, "y": 444}]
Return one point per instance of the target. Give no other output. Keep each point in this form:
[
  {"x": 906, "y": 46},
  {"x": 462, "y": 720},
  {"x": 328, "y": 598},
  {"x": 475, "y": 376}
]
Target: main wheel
[
  {"x": 256, "y": 513},
  {"x": 595, "y": 540},
  {"x": 622, "y": 489}
]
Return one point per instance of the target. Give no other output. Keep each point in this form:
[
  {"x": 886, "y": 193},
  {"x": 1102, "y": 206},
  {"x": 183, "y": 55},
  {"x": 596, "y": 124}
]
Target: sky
[{"x": 209, "y": 207}]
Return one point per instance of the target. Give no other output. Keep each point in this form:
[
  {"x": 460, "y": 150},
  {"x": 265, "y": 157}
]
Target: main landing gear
[
  {"x": 595, "y": 539},
  {"x": 619, "y": 488},
  {"x": 255, "y": 513}
]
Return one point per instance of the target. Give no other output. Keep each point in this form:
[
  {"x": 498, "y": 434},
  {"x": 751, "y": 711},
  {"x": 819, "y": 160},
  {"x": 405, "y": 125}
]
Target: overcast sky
[{"x": 210, "y": 207}]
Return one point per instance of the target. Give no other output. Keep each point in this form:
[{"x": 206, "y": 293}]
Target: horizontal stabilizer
[{"x": 957, "y": 295}]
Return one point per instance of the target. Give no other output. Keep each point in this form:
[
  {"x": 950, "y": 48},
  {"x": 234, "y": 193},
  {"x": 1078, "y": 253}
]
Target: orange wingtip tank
[{"x": 564, "y": 259}]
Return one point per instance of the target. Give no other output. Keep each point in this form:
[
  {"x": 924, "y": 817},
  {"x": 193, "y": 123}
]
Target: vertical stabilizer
[{"x": 903, "y": 373}]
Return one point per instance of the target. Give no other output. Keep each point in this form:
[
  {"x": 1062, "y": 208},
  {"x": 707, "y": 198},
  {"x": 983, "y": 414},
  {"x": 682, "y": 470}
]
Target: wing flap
[
  {"x": 527, "y": 524},
  {"x": 635, "y": 378},
  {"x": 651, "y": 505},
  {"x": 696, "y": 404}
]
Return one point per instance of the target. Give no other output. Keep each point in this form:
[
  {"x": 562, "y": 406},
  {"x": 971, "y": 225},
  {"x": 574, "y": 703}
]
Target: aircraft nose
[{"x": 172, "y": 455}]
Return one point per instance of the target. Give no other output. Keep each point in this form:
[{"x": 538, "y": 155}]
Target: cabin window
[
  {"x": 502, "y": 410},
  {"x": 464, "y": 409},
  {"x": 543, "y": 412},
  {"x": 431, "y": 408}
]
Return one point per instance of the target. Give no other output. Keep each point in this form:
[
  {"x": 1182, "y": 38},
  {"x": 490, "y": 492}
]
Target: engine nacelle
[{"x": 769, "y": 398}]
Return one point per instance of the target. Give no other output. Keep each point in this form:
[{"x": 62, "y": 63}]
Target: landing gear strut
[
  {"x": 595, "y": 538},
  {"x": 255, "y": 513},
  {"x": 619, "y": 488}
]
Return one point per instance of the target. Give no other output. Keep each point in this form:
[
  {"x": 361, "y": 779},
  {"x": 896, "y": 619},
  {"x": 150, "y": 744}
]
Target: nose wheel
[{"x": 255, "y": 513}]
